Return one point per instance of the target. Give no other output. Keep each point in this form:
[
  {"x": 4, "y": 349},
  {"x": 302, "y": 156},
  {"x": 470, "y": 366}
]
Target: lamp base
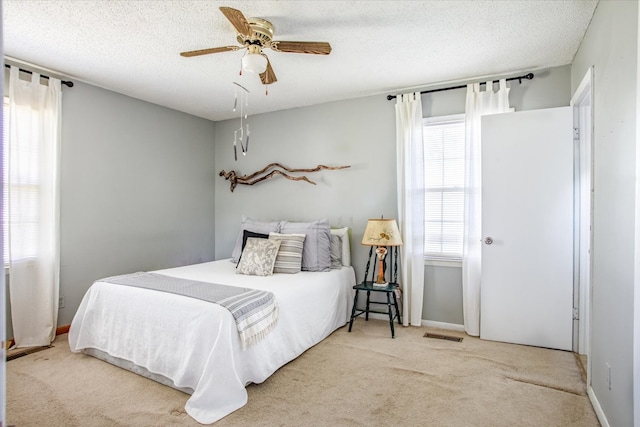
[{"x": 380, "y": 285}]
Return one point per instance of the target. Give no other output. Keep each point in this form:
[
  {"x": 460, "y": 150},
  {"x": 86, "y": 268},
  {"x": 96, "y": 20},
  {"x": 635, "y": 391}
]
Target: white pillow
[{"x": 343, "y": 233}]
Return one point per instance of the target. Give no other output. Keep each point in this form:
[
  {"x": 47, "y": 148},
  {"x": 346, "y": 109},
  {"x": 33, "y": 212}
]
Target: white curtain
[
  {"x": 33, "y": 207},
  {"x": 410, "y": 159},
  {"x": 479, "y": 103}
]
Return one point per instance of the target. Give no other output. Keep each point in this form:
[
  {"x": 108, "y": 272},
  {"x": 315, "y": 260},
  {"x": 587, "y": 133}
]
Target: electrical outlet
[
  {"x": 61, "y": 302},
  {"x": 608, "y": 376}
]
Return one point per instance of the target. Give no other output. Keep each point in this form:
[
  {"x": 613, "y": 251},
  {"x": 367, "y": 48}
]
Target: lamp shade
[
  {"x": 254, "y": 62},
  {"x": 382, "y": 232}
]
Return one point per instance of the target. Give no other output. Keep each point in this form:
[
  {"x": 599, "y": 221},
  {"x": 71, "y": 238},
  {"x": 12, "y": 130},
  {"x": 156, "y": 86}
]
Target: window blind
[
  {"x": 444, "y": 148},
  {"x": 19, "y": 190}
]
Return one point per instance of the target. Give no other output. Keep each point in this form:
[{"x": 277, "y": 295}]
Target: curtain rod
[
  {"x": 66, "y": 83},
  {"x": 519, "y": 78}
]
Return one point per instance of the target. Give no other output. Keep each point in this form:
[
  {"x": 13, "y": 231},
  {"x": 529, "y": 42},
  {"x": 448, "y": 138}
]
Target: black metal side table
[{"x": 390, "y": 290}]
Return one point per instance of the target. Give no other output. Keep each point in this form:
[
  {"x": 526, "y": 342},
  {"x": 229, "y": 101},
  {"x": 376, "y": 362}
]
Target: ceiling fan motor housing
[{"x": 262, "y": 33}]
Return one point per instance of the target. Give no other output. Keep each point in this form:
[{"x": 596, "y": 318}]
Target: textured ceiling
[{"x": 379, "y": 47}]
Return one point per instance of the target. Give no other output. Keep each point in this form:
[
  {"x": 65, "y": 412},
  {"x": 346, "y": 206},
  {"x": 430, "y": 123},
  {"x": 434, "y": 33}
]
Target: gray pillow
[
  {"x": 258, "y": 257},
  {"x": 316, "y": 254},
  {"x": 289, "y": 259},
  {"x": 255, "y": 226}
]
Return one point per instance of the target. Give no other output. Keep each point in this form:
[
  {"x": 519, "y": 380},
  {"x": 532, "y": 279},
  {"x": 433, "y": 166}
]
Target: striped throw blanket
[{"x": 255, "y": 311}]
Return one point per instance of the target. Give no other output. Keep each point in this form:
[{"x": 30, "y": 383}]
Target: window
[
  {"x": 444, "y": 152},
  {"x": 24, "y": 205}
]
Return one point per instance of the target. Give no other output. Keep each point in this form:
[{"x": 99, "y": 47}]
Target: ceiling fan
[{"x": 256, "y": 34}]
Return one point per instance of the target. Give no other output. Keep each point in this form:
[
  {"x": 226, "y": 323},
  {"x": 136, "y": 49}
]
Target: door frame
[{"x": 582, "y": 103}]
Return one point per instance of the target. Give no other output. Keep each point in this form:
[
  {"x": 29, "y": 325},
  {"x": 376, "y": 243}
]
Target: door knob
[{"x": 488, "y": 240}]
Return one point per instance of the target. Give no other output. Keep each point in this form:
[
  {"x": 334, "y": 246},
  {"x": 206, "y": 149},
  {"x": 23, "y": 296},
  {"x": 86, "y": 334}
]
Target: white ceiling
[{"x": 379, "y": 47}]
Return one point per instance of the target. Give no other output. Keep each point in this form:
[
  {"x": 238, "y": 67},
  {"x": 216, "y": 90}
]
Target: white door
[{"x": 527, "y": 224}]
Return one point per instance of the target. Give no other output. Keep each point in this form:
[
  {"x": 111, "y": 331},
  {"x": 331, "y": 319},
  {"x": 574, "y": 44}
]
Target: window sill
[{"x": 442, "y": 263}]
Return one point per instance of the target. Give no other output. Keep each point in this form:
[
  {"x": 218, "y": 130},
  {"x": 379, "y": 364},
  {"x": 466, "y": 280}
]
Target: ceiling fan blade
[
  {"x": 268, "y": 76},
  {"x": 316, "y": 48},
  {"x": 238, "y": 21},
  {"x": 208, "y": 51}
]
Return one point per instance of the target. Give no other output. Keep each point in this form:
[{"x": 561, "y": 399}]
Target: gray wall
[
  {"x": 137, "y": 189},
  {"x": 610, "y": 45},
  {"x": 136, "y": 185},
  {"x": 360, "y": 133},
  {"x": 442, "y": 299}
]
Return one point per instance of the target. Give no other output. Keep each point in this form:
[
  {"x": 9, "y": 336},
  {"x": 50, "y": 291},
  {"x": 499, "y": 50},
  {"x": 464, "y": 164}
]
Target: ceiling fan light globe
[{"x": 254, "y": 62}]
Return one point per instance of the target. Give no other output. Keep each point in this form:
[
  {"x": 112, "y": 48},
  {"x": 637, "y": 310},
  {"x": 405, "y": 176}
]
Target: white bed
[{"x": 194, "y": 346}]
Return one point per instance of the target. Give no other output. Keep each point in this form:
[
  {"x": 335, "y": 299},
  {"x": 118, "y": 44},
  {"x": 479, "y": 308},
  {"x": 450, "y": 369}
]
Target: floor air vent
[
  {"x": 443, "y": 337},
  {"x": 20, "y": 353}
]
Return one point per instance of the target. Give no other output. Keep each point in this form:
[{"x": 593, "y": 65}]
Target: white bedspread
[{"x": 195, "y": 343}]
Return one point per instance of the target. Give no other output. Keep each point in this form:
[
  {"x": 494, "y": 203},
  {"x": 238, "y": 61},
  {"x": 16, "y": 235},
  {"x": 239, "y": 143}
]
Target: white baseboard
[
  {"x": 597, "y": 408},
  {"x": 443, "y": 325}
]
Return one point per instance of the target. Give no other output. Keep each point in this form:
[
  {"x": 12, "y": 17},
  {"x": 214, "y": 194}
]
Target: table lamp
[{"x": 381, "y": 233}]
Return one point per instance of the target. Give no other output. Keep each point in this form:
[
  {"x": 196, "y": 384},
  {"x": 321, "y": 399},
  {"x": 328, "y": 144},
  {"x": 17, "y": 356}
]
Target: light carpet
[{"x": 362, "y": 378}]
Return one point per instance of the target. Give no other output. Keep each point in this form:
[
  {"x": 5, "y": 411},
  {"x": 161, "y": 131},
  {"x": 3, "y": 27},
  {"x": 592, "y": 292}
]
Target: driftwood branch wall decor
[{"x": 235, "y": 179}]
